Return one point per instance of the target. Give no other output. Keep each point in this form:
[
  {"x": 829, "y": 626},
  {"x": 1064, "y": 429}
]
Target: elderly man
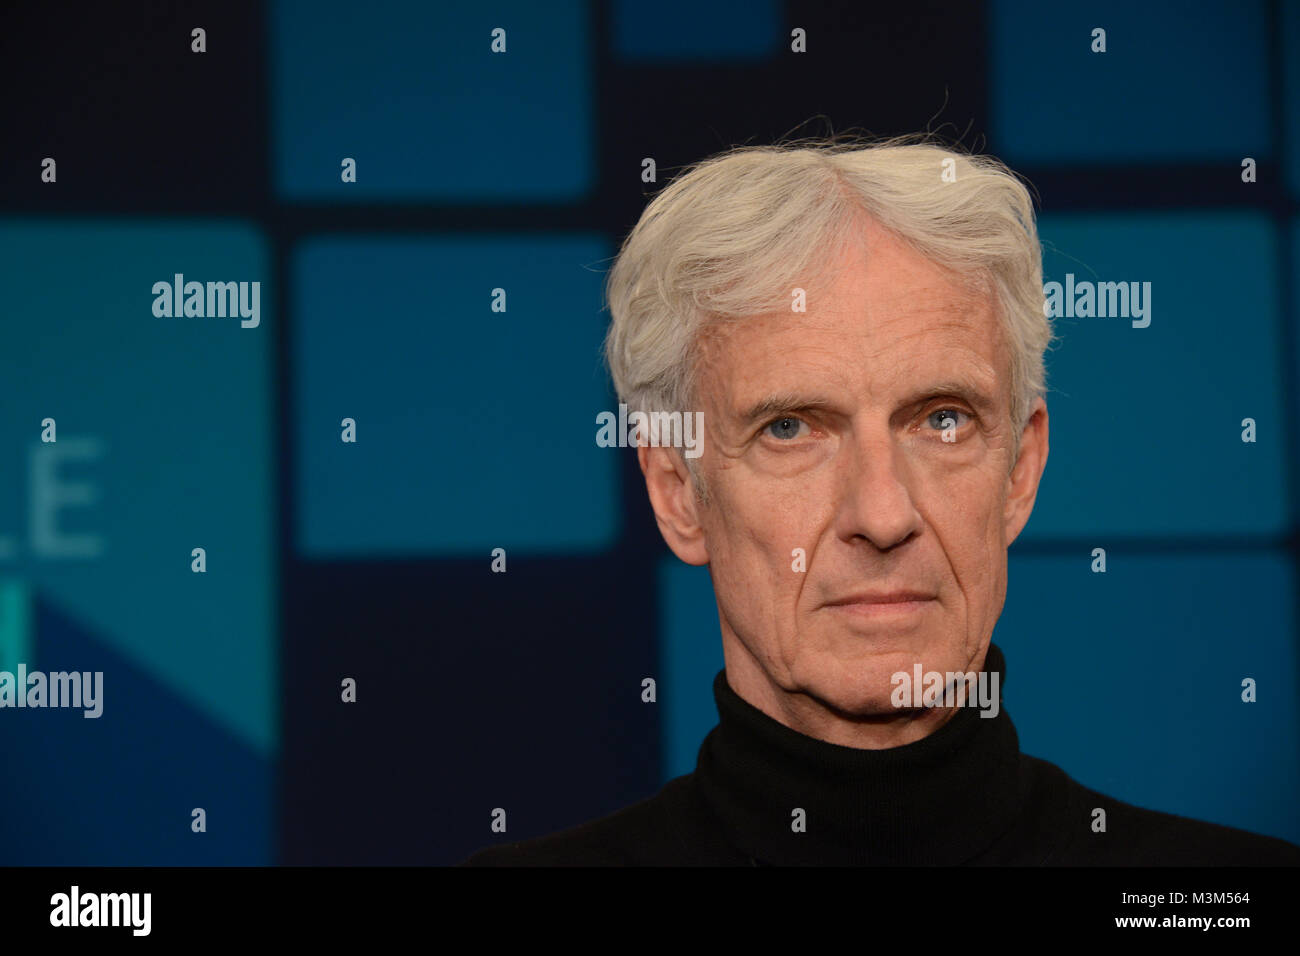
[{"x": 863, "y": 329}]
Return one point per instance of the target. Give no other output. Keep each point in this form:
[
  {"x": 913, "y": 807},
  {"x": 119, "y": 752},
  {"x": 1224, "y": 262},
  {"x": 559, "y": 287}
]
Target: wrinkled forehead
[{"x": 882, "y": 338}]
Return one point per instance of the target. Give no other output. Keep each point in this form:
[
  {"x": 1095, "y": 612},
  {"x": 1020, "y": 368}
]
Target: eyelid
[
  {"x": 942, "y": 403},
  {"x": 950, "y": 408}
]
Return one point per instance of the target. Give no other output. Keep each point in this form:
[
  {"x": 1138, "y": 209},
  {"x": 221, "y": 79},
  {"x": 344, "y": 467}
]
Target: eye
[
  {"x": 944, "y": 418},
  {"x": 786, "y": 428}
]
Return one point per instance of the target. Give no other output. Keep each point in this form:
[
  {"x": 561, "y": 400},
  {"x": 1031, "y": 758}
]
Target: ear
[
  {"x": 1023, "y": 481},
  {"x": 672, "y": 496}
]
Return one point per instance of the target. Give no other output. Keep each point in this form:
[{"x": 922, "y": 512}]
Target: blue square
[
  {"x": 475, "y": 429},
  {"x": 1131, "y": 680},
  {"x": 1179, "y": 81},
  {"x": 415, "y": 95},
  {"x": 1146, "y": 423}
]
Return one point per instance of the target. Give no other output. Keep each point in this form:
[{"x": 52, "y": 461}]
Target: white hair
[{"x": 731, "y": 235}]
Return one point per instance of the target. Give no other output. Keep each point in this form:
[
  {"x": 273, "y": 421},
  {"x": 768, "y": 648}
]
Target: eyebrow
[
  {"x": 782, "y": 403},
  {"x": 786, "y": 403},
  {"x": 969, "y": 391}
]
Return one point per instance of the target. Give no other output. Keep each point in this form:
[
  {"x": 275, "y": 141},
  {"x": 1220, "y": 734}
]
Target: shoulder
[
  {"x": 1138, "y": 836},
  {"x": 666, "y": 829}
]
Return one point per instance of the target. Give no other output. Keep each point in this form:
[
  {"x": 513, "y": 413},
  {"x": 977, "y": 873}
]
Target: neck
[{"x": 787, "y": 798}]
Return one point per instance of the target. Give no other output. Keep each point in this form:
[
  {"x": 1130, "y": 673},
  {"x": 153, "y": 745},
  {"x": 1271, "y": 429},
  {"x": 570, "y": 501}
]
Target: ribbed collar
[{"x": 940, "y": 800}]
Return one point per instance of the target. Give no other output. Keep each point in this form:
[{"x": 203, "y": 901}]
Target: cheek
[
  {"x": 754, "y": 530},
  {"x": 964, "y": 509}
]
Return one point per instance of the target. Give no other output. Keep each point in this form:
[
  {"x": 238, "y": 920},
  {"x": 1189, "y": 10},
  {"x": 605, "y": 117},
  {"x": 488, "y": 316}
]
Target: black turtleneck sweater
[{"x": 963, "y": 795}]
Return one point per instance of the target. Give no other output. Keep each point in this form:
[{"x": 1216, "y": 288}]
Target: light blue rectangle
[
  {"x": 1132, "y": 680},
  {"x": 416, "y": 96},
  {"x": 1179, "y": 81},
  {"x": 475, "y": 429},
  {"x": 15, "y": 625},
  {"x": 164, "y": 428},
  {"x": 1146, "y": 423}
]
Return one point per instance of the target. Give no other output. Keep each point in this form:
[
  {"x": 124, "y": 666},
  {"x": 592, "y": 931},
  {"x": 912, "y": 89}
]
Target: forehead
[{"x": 883, "y": 319}]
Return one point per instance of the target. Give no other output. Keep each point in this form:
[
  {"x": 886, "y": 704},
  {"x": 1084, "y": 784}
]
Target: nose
[{"x": 875, "y": 495}]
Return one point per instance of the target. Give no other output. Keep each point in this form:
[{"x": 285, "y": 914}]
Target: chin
[
  {"x": 862, "y": 688},
  {"x": 859, "y": 704},
  {"x": 862, "y": 684}
]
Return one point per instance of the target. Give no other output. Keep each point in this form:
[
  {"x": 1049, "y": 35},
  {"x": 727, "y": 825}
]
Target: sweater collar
[{"x": 939, "y": 800}]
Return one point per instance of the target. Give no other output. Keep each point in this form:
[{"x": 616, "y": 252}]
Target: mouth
[{"x": 883, "y": 604}]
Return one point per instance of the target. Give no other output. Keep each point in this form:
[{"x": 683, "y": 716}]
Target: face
[{"x": 862, "y": 492}]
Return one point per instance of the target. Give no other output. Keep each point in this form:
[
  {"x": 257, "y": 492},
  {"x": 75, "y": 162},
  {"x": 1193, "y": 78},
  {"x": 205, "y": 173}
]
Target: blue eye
[
  {"x": 945, "y": 418},
  {"x": 785, "y": 428}
]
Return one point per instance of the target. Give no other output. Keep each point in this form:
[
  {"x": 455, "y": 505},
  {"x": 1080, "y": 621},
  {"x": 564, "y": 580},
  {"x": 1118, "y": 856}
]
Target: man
[{"x": 863, "y": 330}]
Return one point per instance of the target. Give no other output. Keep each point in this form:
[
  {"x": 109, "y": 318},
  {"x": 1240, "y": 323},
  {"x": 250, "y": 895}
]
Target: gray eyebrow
[
  {"x": 775, "y": 405},
  {"x": 781, "y": 403}
]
